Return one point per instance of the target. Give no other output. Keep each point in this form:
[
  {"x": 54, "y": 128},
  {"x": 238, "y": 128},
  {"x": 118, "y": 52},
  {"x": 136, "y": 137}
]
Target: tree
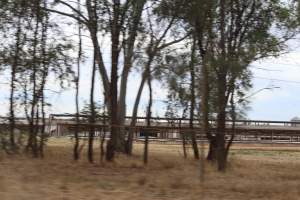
[
  {"x": 77, "y": 83},
  {"x": 92, "y": 117},
  {"x": 121, "y": 20},
  {"x": 31, "y": 57},
  {"x": 14, "y": 66},
  {"x": 231, "y": 34},
  {"x": 193, "y": 98},
  {"x": 159, "y": 36},
  {"x": 242, "y": 38}
]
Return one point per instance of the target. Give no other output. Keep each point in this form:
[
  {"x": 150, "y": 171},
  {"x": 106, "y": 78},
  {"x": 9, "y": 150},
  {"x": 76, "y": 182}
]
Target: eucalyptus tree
[
  {"x": 160, "y": 37},
  {"x": 179, "y": 72},
  {"x": 178, "y": 98},
  {"x": 19, "y": 40},
  {"x": 5, "y": 17},
  {"x": 231, "y": 34},
  {"x": 13, "y": 16},
  {"x": 242, "y": 32},
  {"x": 31, "y": 53},
  {"x": 33, "y": 66},
  {"x": 119, "y": 22},
  {"x": 198, "y": 16}
]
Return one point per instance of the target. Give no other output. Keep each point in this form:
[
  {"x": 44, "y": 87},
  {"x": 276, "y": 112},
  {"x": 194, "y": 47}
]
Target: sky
[
  {"x": 283, "y": 75},
  {"x": 281, "y": 102}
]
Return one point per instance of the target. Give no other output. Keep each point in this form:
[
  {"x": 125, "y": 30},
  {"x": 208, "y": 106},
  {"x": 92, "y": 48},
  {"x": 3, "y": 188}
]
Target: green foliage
[
  {"x": 55, "y": 58},
  {"x": 252, "y": 30},
  {"x": 99, "y": 110}
]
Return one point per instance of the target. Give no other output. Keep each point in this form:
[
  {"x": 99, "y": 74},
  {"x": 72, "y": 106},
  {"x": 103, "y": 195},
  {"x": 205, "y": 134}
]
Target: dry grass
[{"x": 255, "y": 172}]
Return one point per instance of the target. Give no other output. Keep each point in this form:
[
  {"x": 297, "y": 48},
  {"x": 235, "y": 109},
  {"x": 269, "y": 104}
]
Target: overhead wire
[{"x": 275, "y": 79}]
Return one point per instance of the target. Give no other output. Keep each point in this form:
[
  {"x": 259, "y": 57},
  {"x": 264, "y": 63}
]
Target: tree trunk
[
  {"x": 43, "y": 83},
  {"x": 12, "y": 86},
  {"x": 221, "y": 126},
  {"x": 211, "y": 156},
  {"x": 42, "y": 138},
  {"x": 93, "y": 30},
  {"x": 122, "y": 108},
  {"x": 77, "y": 79},
  {"x": 183, "y": 141},
  {"x": 233, "y": 118},
  {"x": 134, "y": 114},
  {"x": 115, "y": 35},
  {"x": 102, "y": 139},
  {"x": 92, "y": 117},
  {"x": 129, "y": 52},
  {"x": 212, "y": 149},
  {"x": 193, "y": 97},
  {"x": 148, "y": 118},
  {"x": 32, "y": 140},
  {"x": 221, "y": 90}
]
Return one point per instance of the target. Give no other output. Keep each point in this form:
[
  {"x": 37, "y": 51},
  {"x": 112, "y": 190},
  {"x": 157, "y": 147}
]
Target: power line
[
  {"x": 295, "y": 64},
  {"x": 265, "y": 69},
  {"x": 279, "y": 80}
]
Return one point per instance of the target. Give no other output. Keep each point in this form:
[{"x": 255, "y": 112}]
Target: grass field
[{"x": 255, "y": 172}]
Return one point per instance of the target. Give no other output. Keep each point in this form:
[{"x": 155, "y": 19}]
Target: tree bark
[
  {"x": 43, "y": 83},
  {"x": 128, "y": 54},
  {"x": 93, "y": 30},
  {"x": 221, "y": 125},
  {"x": 193, "y": 97},
  {"x": 77, "y": 79},
  {"x": 32, "y": 140},
  {"x": 221, "y": 90},
  {"x": 233, "y": 118},
  {"x": 146, "y": 147},
  {"x": 115, "y": 35},
  {"x": 92, "y": 117},
  {"x": 134, "y": 114},
  {"x": 12, "y": 83},
  {"x": 183, "y": 141}
]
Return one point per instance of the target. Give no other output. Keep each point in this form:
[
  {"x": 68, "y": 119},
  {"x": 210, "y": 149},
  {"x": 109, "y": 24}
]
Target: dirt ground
[{"x": 254, "y": 172}]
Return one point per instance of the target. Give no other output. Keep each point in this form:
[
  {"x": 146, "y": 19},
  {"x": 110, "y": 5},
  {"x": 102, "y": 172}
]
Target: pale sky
[{"x": 281, "y": 103}]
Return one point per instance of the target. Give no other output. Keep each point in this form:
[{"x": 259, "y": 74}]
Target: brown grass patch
[{"x": 254, "y": 173}]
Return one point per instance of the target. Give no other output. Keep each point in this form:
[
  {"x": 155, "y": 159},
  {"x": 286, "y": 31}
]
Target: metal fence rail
[{"x": 169, "y": 130}]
